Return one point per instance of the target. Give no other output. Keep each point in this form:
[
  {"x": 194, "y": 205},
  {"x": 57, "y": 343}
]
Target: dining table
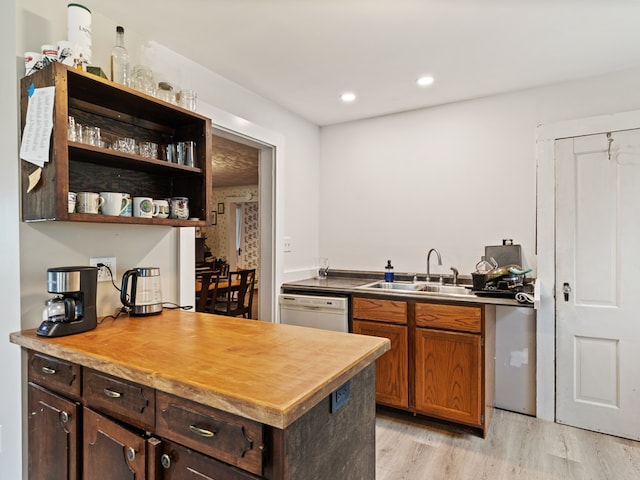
[{"x": 223, "y": 284}]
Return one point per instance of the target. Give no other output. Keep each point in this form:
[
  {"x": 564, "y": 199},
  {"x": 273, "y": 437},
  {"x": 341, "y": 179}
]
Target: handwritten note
[{"x": 38, "y": 127}]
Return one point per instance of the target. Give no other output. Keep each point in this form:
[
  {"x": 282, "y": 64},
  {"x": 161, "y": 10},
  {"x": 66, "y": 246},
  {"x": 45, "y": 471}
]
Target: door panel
[{"x": 597, "y": 258}]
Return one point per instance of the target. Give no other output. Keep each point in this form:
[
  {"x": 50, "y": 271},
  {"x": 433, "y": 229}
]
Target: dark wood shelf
[
  {"x": 119, "y": 112},
  {"x": 114, "y": 158}
]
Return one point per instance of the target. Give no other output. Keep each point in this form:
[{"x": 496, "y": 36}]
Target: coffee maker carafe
[{"x": 73, "y": 309}]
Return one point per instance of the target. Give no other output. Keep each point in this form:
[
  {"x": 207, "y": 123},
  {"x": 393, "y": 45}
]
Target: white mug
[
  {"x": 88, "y": 202},
  {"x": 114, "y": 203},
  {"x": 143, "y": 207},
  {"x": 161, "y": 208}
]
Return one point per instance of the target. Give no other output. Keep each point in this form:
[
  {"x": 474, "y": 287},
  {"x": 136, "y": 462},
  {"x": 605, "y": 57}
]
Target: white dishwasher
[{"x": 327, "y": 313}]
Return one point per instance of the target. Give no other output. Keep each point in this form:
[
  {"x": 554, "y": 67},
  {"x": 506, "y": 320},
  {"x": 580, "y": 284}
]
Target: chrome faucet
[
  {"x": 455, "y": 275},
  {"x": 429, "y": 261}
]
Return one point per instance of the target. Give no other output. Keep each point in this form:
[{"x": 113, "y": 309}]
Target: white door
[{"x": 598, "y": 283}]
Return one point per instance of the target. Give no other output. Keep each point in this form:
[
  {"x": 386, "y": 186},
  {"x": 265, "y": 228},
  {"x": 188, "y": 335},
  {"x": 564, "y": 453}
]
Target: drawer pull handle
[
  {"x": 48, "y": 371},
  {"x": 165, "y": 460},
  {"x": 111, "y": 393},
  {"x": 201, "y": 431},
  {"x": 64, "y": 417}
]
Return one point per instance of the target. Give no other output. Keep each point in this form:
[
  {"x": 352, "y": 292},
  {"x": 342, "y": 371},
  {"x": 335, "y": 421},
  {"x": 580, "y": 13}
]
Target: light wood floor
[{"x": 517, "y": 447}]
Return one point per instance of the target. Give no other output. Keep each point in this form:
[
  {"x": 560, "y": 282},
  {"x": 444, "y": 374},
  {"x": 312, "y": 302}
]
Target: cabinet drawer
[
  {"x": 177, "y": 462},
  {"x": 449, "y": 317},
  {"x": 234, "y": 440},
  {"x": 58, "y": 375},
  {"x": 120, "y": 398},
  {"x": 380, "y": 310}
]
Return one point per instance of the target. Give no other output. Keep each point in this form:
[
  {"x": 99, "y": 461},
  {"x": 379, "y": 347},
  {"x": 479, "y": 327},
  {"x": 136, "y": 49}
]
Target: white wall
[
  {"x": 456, "y": 177},
  {"x": 10, "y": 374}
]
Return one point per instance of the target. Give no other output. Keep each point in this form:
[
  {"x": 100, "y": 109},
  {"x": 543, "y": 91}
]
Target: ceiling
[
  {"x": 233, "y": 163},
  {"x": 303, "y": 54}
]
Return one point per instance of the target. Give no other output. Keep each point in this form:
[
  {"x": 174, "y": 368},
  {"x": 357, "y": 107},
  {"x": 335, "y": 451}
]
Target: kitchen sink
[
  {"x": 418, "y": 287},
  {"x": 382, "y": 285}
]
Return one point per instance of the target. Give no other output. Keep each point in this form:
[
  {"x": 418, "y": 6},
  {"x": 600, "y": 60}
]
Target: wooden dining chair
[
  {"x": 208, "y": 293},
  {"x": 239, "y": 295}
]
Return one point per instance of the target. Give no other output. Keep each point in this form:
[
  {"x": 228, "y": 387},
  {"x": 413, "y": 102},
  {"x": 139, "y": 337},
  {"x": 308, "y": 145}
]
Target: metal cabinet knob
[
  {"x": 165, "y": 460},
  {"x": 131, "y": 454},
  {"x": 64, "y": 417}
]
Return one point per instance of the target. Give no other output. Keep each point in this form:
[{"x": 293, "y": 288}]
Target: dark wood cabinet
[
  {"x": 111, "y": 451},
  {"x": 54, "y": 435},
  {"x": 119, "y": 112},
  {"x": 106, "y": 433},
  {"x": 387, "y": 319}
]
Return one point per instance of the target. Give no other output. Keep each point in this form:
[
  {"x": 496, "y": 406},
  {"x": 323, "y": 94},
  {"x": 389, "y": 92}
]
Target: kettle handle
[{"x": 123, "y": 288}]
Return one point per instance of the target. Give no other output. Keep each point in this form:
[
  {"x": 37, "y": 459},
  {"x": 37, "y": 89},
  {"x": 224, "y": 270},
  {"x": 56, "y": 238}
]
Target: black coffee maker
[{"x": 73, "y": 309}]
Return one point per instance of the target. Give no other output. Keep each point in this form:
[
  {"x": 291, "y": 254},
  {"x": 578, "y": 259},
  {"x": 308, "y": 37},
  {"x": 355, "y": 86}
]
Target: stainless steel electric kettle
[{"x": 145, "y": 295}]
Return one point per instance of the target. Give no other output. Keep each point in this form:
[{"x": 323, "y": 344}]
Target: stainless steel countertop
[{"x": 344, "y": 282}]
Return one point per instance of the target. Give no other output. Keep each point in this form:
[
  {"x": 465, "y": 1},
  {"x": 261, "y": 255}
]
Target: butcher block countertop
[{"x": 262, "y": 371}]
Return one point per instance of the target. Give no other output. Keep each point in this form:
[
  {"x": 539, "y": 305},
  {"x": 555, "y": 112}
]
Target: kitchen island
[{"x": 204, "y": 393}]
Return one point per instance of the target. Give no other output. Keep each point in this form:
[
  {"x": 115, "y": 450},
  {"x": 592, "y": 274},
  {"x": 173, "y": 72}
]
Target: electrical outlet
[
  {"x": 288, "y": 245},
  {"x": 103, "y": 273}
]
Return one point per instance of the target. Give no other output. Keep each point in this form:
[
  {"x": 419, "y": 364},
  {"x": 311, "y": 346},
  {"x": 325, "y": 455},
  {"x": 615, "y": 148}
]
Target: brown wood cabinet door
[
  {"x": 53, "y": 436},
  {"x": 448, "y": 375},
  {"x": 392, "y": 368},
  {"x": 181, "y": 463},
  {"x": 111, "y": 452}
]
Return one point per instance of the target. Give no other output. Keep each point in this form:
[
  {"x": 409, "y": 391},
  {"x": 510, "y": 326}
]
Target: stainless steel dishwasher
[{"x": 327, "y": 313}]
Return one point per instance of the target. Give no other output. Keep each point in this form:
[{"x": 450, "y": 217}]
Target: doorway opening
[{"x": 242, "y": 179}]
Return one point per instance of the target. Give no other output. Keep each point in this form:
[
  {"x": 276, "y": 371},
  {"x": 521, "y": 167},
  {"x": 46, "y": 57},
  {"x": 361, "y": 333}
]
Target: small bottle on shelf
[{"x": 120, "y": 59}]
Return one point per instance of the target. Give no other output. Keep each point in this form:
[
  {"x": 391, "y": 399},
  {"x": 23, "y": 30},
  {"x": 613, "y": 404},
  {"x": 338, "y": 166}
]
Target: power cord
[
  {"x": 175, "y": 306},
  {"x": 100, "y": 265},
  {"x": 122, "y": 309}
]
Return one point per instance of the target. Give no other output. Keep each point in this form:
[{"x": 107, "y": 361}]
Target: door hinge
[{"x": 482, "y": 419}]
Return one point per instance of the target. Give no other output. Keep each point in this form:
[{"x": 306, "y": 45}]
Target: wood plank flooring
[{"x": 517, "y": 447}]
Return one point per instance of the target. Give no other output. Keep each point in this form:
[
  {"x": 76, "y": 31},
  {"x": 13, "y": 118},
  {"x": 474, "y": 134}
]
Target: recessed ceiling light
[
  {"x": 348, "y": 97},
  {"x": 425, "y": 81}
]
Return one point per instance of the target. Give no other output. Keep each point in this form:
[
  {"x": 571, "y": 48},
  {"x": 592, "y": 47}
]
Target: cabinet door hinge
[{"x": 482, "y": 419}]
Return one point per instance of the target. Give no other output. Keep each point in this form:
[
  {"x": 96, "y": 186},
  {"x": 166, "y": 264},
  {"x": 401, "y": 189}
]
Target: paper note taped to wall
[{"x": 36, "y": 136}]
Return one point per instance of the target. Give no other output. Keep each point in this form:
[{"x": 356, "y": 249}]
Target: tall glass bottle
[{"x": 120, "y": 59}]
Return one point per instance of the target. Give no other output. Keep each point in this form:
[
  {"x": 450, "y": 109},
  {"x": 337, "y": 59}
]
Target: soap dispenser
[{"x": 388, "y": 272}]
